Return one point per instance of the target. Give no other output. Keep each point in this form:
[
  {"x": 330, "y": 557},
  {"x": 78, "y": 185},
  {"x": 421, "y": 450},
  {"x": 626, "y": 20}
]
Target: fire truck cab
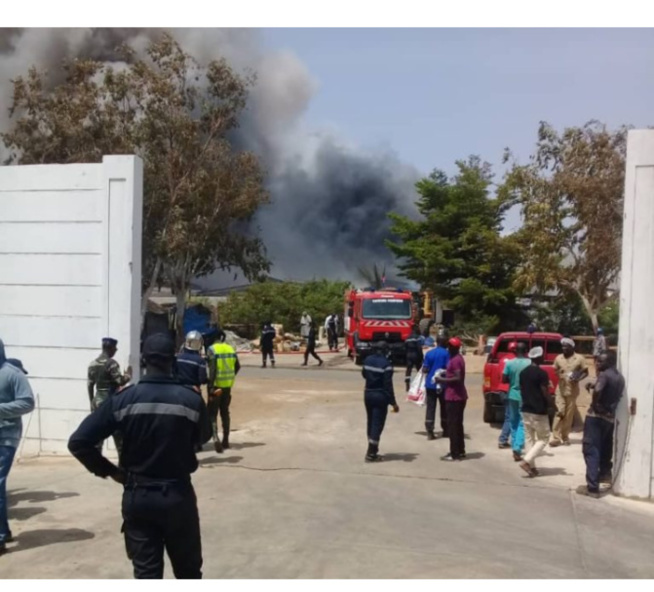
[{"x": 378, "y": 315}]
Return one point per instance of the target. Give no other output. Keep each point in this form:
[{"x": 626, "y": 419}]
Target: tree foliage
[
  {"x": 456, "y": 248},
  {"x": 175, "y": 114},
  {"x": 374, "y": 276},
  {"x": 571, "y": 193},
  {"x": 284, "y": 303}
]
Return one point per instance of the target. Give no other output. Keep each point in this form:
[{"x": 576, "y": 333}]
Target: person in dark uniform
[
  {"x": 161, "y": 422},
  {"x": 378, "y": 395},
  {"x": 332, "y": 332},
  {"x": 414, "y": 356},
  {"x": 190, "y": 366},
  {"x": 311, "y": 346},
  {"x": 597, "y": 443},
  {"x": 268, "y": 335}
]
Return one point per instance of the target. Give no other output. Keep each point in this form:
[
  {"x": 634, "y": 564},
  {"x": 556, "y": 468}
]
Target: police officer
[
  {"x": 223, "y": 368},
  {"x": 191, "y": 368},
  {"x": 332, "y": 332},
  {"x": 378, "y": 395},
  {"x": 105, "y": 379},
  {"x": 268, "y": 335},
  {"x": 414, "y": 356},
  {"x": 161, "y": 422}
]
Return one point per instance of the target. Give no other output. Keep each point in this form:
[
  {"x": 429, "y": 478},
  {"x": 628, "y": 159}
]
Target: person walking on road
[
  {"x": 435, "y": 361},
  {"x": 511, "y": 376},
  {"x": 534, "y": 389},
  {"x": 16, "y": 400},
  {"x": 223, "y": 368},
  {"x": 268, "y": 335},
  {"x": 379, "y": 394},
  {"x": 331, "y": 328},
  {"x": 311, "y": 346},
  {"x": 161, "y": 421},
  {"x": 571, "y": 369},
  {"x": 505, "y": 434},
  {"x": 305, "y": 325},
  {"x": 414, "y": 355},
  {"x": 456, "y": 397},
  {"x": 597, "y": 444},
  {"x": 105, "y": 379}
]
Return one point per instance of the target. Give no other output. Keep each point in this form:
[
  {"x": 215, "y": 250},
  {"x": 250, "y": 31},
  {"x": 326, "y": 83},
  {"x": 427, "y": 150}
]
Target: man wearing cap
[
  {"x": 598, "y": 428},
  {"x": 16, "y": 400},
  {"x": 534, "y": 388},
  {"x": 378, "y": 394},
  {"x": 503, "y": 440},
  {"x": 105, "y": 378},
  {"x": 511, "y": 376},
  {"x": 571, "y": 369},
  {"x": 161, "y": 421},
  {"x": 456, "y": 397}
]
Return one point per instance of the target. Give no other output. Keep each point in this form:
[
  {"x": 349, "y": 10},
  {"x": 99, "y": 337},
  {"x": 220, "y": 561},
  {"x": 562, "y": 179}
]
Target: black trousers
[
  {"x": 162, "y": 517},
  {"x": 332, "y": 338},
  {"x": 597, "y": 447},
  {"x": 220, "y": 404},
  {"x": 267, "y": 352},
  {"x": 435, "y": 397},
  {"x": 311, "y": 350},
  {"x": 376, "y": 411},
  {"x": 455, "y": 411},
  {"x": 411, "y": 363}
]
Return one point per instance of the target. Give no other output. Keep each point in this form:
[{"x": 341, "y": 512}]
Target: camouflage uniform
[{"x": 105, "y": 376}]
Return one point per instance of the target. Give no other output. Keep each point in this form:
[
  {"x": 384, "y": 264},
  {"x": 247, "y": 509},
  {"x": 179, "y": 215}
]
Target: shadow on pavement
[
  {"x": 244, "y": 445},
  {"x": 401, "y": 456},
  {"x": 32, "y": 497},
  {"x": 41, "y": 538},
  {"x": 220, "y": 460},
  {"x": 474, "y": 455},
  {"x": 25, "y": 513},
  {"x": 551, "y": 471}
]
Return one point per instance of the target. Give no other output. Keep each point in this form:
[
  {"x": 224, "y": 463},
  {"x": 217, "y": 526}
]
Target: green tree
[
  {"x": 571, "y": 193},
  {"x": 284, "y": 303},
  {"x": 456, "y": 248},
  {"x": 176, "y": 115}
]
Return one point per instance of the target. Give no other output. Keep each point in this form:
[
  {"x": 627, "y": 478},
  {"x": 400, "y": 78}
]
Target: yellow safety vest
[{"x": 225, "y": 360}]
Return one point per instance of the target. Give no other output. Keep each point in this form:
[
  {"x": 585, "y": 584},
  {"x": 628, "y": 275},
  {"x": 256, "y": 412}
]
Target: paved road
[{"x": 293, "y": 499}]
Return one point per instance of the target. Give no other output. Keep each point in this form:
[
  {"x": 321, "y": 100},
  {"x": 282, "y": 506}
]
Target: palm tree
[{"x": 373, "y": 276}]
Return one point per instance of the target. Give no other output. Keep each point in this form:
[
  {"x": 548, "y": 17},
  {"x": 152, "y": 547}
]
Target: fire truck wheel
[{"x": 489, "y": 413}]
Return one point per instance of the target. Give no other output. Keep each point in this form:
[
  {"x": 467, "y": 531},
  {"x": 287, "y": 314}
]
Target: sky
[{"x": 433, "y": 96}]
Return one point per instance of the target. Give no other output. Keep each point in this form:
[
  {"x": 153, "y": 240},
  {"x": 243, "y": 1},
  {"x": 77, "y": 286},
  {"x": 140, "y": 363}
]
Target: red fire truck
[{"x": 377, "y": 315}]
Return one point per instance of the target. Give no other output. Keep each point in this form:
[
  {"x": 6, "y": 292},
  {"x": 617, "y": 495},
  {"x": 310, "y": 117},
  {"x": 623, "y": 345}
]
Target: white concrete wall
[
  {"x": 70, "y": 274},
  {"x": 634, "y": 433}
]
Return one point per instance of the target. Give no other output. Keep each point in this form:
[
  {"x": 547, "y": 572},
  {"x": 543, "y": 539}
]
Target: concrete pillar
[{"x": 633, "y": 466}]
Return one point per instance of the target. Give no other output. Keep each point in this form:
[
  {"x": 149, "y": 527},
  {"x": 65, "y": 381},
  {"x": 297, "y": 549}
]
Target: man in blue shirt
[
  {"x": 511, "y": 376},
  {"x": 436, "y": 359}
]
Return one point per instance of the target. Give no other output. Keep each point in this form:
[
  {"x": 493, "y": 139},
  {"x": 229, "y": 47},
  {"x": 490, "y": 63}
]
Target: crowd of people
[{"x": 160, "y": 423}]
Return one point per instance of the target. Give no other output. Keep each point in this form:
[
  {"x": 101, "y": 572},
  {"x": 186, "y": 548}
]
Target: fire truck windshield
[{"x": 386, "y": 308}]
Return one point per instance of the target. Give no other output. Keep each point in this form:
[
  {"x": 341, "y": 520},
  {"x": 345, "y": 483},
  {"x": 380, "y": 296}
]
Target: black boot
[
  {"x": 407, "y": 385},
  {"x": 431, "y": 435},
  {"x": 226, "y": 442},
  {"x": 218, "y": 446},
  {"x": 373, "y": 453}
]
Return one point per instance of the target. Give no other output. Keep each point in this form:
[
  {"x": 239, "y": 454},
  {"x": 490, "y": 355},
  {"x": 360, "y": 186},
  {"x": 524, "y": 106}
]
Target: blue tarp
[{"x": 197, "y": 318}]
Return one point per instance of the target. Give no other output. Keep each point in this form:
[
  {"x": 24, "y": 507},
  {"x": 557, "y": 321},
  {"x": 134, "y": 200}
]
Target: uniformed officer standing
[
  {"x": 105, "y": 379},
  {"x": 378, "y": 395},
  {"x": 161, "y": 422},
  {"x": 268, "y": 335},
  {"x": 223, "y": 368},
  {"x": 414, "y": 355},
  {"x": 191, "y": 368}
]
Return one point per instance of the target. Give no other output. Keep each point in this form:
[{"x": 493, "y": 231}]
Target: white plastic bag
[{"x": 417, "y": 390}]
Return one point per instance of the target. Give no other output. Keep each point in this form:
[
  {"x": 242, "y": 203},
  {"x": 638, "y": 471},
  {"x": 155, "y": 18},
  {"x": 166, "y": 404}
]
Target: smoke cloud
[{"x": 330, "y": 201}]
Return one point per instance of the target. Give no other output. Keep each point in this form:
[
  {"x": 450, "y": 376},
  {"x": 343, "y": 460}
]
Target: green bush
[{"x": 284, "y": 303}]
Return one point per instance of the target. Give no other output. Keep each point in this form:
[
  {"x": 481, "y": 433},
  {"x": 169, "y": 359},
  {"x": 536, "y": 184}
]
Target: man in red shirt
[{"x": 456, "y": 397}]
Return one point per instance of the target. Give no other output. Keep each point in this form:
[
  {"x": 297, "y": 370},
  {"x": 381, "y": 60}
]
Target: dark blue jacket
[
  {"x": 161, "y": 422},
  {"x": 191, "y": 368},
  {"x": 378, "y": 373}
]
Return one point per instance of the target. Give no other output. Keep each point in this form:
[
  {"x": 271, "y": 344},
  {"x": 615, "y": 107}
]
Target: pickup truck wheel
[
  {"x": 489, "y": 413},
  {"x": 358, "y": 361}
]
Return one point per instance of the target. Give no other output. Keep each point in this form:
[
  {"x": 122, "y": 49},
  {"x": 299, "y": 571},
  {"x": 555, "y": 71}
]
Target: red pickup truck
[{"x": 493, "y": 389}]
